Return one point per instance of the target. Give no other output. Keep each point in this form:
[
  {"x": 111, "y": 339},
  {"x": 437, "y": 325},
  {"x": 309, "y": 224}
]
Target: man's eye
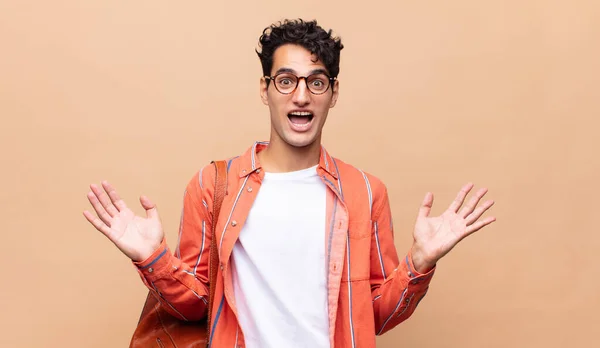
[
  {"x": 318, "y": 83},
  {"x": 285, "y": 82}
]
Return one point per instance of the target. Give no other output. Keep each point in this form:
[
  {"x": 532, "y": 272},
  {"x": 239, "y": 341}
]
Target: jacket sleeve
[
  {"x": 396, "y": 287},
  {"x": 180, "y": 279}
]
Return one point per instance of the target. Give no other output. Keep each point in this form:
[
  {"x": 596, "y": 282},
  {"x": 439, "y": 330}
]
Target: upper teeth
[{"x": 301, "y": 113}]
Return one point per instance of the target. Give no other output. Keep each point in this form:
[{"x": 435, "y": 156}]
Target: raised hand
[
  {"x": 434, "y": 237},
  {"x": 137, "y": 237}
]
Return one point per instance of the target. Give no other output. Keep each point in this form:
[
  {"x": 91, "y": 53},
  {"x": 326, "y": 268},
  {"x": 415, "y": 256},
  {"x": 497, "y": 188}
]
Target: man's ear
[
  {"x": 334, "y": 97},
  {"x": 263, "y": 90}
]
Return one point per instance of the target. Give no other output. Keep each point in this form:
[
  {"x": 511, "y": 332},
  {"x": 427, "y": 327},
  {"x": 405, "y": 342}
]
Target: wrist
[
  {"x": 421, "y": 262},
  {"x": 143, "y": 255},
  {"x": 147, "y": 252}
]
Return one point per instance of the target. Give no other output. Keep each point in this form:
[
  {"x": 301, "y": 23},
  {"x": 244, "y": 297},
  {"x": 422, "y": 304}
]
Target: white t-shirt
[{"x": 279, "y": 266}]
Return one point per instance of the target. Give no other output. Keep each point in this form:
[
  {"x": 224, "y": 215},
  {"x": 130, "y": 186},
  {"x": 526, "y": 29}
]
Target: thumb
[
  {"x": 150, "y": 207},
  {"x": 426, "y": 205}
]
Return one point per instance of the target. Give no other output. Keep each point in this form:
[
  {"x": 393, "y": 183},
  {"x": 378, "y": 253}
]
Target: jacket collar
[{"x": 250, "y": 163}]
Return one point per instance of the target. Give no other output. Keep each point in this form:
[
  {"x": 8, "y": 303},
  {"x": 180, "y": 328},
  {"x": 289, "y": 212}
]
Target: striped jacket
[{"x": 369, "y": 289}]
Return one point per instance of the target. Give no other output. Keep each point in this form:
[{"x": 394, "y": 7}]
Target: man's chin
[{"x": 301, "y": 141}]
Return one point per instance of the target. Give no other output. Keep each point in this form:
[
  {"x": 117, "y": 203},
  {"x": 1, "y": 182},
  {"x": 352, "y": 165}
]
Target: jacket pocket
[{"x": 359, "y": 250}]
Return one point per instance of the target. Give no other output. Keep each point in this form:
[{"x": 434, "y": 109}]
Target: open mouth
[{"x": 300, "y": 118}]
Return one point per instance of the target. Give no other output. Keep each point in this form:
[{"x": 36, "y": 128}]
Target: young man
[{"x": 305, "y": 241}]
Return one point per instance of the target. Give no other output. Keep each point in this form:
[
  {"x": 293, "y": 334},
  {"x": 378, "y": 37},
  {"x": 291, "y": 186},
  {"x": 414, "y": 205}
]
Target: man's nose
[{"x": 301, "y": 94}]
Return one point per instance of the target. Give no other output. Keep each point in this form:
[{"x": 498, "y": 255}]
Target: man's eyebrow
[
  {"x": 319, "y": 71},
  {"x": 285, "y": 70},
  {"x": 292, "y": 71}
]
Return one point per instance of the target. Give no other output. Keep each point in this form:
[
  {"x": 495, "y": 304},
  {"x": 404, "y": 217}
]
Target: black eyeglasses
[{"x": 286, "y": 83}]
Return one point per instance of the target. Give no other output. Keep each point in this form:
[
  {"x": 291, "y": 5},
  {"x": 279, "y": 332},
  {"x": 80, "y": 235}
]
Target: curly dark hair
[{"x": 306, "y": 34}]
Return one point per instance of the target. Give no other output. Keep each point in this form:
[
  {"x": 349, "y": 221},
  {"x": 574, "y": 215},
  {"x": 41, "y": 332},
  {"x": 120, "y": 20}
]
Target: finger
[
  {"x": 97, "y": 223},
  {"x": 478, "y": 225},
  {"x": 114, "y": 196},
  {"x": 470, "y": 219},
  {"x": 426, "y": 205},
  {"x": 151, "y": 211},
  {"x": 100, "y": 211},
  {"x": 104, "y": 200},
  {"x": 469, "y": 207},
  {"x": 460, "y": 198}
]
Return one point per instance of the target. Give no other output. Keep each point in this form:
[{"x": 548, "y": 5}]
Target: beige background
[{"x": 433, "y": 94}]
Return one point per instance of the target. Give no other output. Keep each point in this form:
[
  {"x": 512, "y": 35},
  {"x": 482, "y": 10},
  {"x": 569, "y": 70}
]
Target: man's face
[{"x": 298, "y": 118}]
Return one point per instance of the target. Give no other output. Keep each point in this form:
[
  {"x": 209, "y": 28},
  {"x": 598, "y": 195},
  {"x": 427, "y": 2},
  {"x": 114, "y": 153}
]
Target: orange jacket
[{"x": 369, "y": 289}]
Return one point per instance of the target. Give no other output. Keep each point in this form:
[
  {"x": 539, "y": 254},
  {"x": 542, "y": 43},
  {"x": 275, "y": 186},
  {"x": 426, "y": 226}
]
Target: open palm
[
  {"x": 435, "y": 236},
  {"x": 137, "y": 237}
]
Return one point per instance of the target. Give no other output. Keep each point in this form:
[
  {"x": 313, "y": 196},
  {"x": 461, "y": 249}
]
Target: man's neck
[{"x": 280, "y": 157}]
